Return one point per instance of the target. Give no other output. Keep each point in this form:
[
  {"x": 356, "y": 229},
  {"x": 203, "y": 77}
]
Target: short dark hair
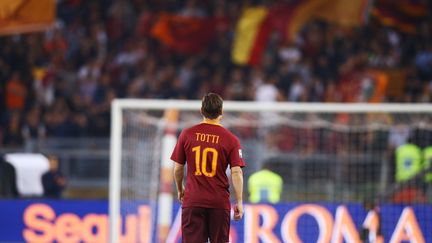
[{"x": 211, "y": 106}]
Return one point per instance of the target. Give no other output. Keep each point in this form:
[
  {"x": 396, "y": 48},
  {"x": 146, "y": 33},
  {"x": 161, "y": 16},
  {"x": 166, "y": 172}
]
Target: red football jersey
[{"x": 207, "y": 149}]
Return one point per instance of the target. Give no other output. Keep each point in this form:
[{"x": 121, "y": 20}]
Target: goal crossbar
[{"x": 253, "y": 106}]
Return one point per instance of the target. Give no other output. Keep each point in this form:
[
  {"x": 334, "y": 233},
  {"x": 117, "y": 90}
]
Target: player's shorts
[{"x": 201, "y": 224}]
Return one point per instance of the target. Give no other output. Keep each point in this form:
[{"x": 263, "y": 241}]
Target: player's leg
[
  {"x": 219, "y": 225},
  {"x": 194, "y": 227}
]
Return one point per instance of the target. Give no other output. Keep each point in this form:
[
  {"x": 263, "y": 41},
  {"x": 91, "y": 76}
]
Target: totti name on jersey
[{"x": 205, "y": 137}]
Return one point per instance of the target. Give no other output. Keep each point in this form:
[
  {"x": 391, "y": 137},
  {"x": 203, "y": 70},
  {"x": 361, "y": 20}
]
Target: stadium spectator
[
  {"x": 57, "y": 120},
  {"x": 53, "y": 180},
  {"x": 265, "y": 186},
  {"x": 206, "y": 199},
  {"x": 95, "y": 40},
  {"x": 12, "y": 135},
  {"x": 399, "y": 135},
  {"x": 423, "y": 62},
  {"x": 316, "y": 89},
  {"x": 192, "y": 9},
  {"x": 16, "y": 93},
  {"x": 33, "y": 128},
  {"x": 426, "y": 93},
  {"x": 238, "y": 86},
  {"x": 297, "y": 90},
  {"x": 267, "y": 91}
]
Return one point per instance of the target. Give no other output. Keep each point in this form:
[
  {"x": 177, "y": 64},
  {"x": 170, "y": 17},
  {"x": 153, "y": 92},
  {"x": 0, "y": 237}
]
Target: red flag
[{"x": 184, "y": 34}]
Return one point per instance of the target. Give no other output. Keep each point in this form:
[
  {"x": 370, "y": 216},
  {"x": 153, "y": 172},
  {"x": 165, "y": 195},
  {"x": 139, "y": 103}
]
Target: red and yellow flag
[
  {"x": 256, "y": 24},
  {"x": 249, "y": 35},
  {"x": 21, "y": 16}
]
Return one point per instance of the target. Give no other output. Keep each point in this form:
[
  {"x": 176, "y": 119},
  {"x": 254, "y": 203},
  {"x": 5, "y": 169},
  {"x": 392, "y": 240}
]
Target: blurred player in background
[
  {"x": 53, "y": 181},
  {"x": 265, "y": 186},
  {"x": 208, "y": 149}
]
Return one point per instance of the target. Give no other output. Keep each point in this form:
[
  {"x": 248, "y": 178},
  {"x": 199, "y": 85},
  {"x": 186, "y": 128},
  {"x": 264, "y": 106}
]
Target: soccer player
[{"x": 208, "y": 149}]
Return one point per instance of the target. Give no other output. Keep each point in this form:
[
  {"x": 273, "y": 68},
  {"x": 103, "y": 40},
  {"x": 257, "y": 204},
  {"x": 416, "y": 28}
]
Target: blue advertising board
[{"x": 87, "y": 221}]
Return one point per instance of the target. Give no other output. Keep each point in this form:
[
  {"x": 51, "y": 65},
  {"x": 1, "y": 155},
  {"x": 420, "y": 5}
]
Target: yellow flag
[
  {"x": 345, "y": 13},
  {"x": 8, "y": 8},
  {"x": 20, "y": 16},
  {"x": 348, "y": 13}
]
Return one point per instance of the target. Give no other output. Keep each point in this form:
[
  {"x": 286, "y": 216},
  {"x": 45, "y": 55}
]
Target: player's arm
[
  {"x": 178, "y": 177},
  {"x": 179, "y": 157},
  {"x": 237, "y": 180}
]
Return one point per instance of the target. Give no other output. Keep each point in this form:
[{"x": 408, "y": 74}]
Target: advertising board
[{"x": 87, "y": 221}]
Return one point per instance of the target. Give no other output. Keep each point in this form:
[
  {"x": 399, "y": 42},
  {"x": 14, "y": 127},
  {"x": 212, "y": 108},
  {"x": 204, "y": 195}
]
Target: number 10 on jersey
[{"x": 201, "y": 161}]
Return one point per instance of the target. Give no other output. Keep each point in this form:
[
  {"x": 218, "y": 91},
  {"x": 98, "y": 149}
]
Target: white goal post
[{"x": 120, "y": 106}]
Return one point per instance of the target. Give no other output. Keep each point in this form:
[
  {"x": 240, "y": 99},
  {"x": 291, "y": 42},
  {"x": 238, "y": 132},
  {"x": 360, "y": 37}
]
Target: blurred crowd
[{"x": 60, "y": 83}]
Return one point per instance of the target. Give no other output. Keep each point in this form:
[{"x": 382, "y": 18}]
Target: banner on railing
[{"x": 87, "y": 221}]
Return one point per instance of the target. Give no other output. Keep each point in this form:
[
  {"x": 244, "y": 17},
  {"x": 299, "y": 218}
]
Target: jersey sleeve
[
  {"x": 236, "y": 156},
  {"x": 178, "y": 155}
]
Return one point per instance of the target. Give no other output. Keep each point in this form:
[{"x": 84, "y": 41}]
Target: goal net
[{"x": 330, "y": 154}]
